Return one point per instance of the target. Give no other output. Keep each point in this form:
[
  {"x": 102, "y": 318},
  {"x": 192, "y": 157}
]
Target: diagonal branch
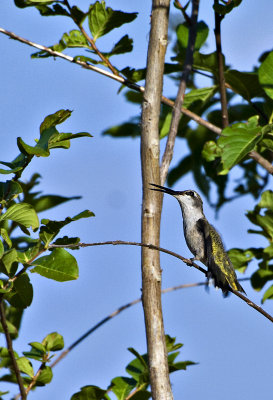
[
  {"x": 131, "y": 85},
  {"x": 114, "y": 314},
  {"x": 187, "y": 261},
  {"x": 176, "y": 114},
  {"x": 11, "y": 352},
  {"x": 91, "y": 41}
]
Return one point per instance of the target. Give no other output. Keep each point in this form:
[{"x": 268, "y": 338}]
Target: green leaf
[
  {"x": 1, "y": 248},
  {"x": 261, "y": 277},
  {"x": 237, "y": 141},
  {"x": 43, "y": 203},
  {"x": 211, "y": 151},
  {"x": 78, "y": 15},
  {"x": 206, "y": 62},
  {"x": 203, "y": 95},
  {"x": 9, "y": 262},
  {"x": 9, "y": 190},
  {"x": 68, "y": 240},
  {"x": 244, "y": 83},
  {"x": 45, "y": 376},
  {"x": 182, "y": 33},
  {"x": 268, "y": 294},
  {"x": 5, "y": 236},
  {"x": 25, "y": 366},
  {"x": 37, "y": 351},
  {"x": 53, "y": 342},
  {"x": 22, "y": 292},
  {"x": 266, "y": 200},
  {"x": 138, "y": 368},
  {"x": 124, "y": 45},
  {"x": 171, "y": 345},
  {"x": 240, "y": 258},
  {"x": 90, "y": 393},
  {"x": 14, "y": 318},
  {"x": 22, "y": 213},
  {"x": 102, "y": 20},
  {"x": 51, "y": 228},
  {"x": 122, "y": 386},
  {"x": 266, "y": 75},
  {"x": 123, "y": 130},
  {"x": 60, "y": 266},
  {"x": 227, "y": 8},
  {"x": 15, "y": 166},
  {"x": 12, "y": 331}
]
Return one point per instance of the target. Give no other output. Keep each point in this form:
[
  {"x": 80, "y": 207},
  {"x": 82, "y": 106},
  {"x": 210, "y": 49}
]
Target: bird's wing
[{"x": 219, "y": 265}]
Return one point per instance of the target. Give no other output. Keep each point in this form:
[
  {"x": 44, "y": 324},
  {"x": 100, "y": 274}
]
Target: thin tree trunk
[{"x": 152, "y": 203}]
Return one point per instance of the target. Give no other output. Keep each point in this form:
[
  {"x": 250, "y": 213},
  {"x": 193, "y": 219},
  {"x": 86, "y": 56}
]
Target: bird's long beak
[{"x": 162, "y": 189}]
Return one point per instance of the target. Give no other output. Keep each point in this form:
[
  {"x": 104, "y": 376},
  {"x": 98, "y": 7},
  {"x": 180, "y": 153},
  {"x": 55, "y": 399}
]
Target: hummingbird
[{"x": 203, "y": 240}]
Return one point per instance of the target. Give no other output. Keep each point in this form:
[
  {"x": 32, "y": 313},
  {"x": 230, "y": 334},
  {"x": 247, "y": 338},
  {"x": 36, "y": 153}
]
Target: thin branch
[
  {"x": 91, "y": 41},
  {"x": 176, "y": 114},
  {"x": 11, "y": 352},
  {"x": 220, "y": 59},
  {"x": 114, "y": 314},
  {"x": 262, "y": 161},
  {"x": 183, "y": 10},
  {"x": 187, "y": 261},
  {"x": 199, "y": 120}
]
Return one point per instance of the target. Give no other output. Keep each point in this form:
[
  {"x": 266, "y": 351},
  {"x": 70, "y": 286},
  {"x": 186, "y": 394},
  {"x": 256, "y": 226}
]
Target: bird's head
[{"x": 188, "y": 199}]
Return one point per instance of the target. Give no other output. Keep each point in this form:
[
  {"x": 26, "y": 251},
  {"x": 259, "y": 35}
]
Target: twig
[
  {"x": 183, "y": 10},
  {"x": 91, "y": 41},
  {"x": 119, "y": 310},
  {"x": 199, "y": 120},
  {"x": 262, "y": 161},
  {"x": 176, "y": 114},
  {"x": 114, "y": 314},
  {"x": 185, "y": 260},
  {"x": 223, "y": 95},
  {"x": 11, "y": 352}
]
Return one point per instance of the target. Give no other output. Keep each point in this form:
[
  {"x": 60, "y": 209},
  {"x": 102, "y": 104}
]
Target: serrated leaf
[
  {"x": 103, "y": 19},
  {"x": 23, "y": 214},
  {"x": 90, "y": 393},
  {"x": 266, "y": 75},
  {"x": 60, "y": 266},
  {"x": 25, "y": 366},
  {"x": 53, "y": 342}
]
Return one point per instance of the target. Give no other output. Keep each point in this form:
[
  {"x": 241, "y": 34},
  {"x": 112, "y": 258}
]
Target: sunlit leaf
[{"x": 60, "y": 266}]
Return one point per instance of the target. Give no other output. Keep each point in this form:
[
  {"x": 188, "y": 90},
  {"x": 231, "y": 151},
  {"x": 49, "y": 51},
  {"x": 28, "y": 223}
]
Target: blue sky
[{"x": 231, "y": 342}]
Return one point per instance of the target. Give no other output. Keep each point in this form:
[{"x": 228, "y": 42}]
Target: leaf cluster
[{"x": 136, "y": 386}]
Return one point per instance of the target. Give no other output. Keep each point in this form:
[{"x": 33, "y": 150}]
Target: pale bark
[{"x": 152, "y": 203}]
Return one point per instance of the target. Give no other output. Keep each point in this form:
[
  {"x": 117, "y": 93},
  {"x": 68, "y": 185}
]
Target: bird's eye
[{"x": 190, "y": 193}]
